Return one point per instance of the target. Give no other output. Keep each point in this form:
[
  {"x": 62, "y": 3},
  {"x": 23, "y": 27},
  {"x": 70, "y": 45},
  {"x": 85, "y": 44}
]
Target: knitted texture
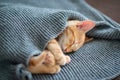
[{"x": 27, "y": 25}]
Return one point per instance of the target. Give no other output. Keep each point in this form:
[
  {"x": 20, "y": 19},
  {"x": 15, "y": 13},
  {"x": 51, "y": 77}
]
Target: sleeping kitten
[{"x": 71, "y": 39}]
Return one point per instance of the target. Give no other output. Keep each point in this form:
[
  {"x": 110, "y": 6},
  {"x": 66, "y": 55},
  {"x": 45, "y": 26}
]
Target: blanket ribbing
[{"x": 27, "y": 25}]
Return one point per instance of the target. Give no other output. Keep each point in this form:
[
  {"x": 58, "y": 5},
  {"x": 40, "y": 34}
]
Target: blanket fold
[{"x": 27, "y": 25}]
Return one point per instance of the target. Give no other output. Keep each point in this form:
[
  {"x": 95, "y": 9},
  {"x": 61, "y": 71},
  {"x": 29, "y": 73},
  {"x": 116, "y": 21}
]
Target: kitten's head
[{"x": 73, "y": 36}]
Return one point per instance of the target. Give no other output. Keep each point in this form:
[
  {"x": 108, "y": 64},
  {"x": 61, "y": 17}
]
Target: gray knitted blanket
[{"x": 27, "y": 25}]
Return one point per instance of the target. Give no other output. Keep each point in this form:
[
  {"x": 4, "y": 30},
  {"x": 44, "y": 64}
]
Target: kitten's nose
[{"x": 67, "y": 50}]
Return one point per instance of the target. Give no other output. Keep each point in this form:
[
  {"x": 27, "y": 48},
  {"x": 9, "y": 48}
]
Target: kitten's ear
[{"x": 86, "y": 25}]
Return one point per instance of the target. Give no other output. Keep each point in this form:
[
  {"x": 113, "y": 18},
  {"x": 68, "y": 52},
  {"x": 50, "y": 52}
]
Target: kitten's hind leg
[
  {"x": 43, "y": 63},
  {"x": 60, "y": 58}
]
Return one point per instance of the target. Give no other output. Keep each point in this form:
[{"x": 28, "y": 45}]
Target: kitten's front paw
[{"x": 68, "y": 59}]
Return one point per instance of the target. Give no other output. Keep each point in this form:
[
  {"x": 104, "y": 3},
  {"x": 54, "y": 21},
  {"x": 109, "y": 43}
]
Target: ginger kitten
[{"x": 71, "y": 39}]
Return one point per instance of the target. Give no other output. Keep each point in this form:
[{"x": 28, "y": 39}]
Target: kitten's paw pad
[
  {"x": 49, "y": 59},
  {"x": 68, "y": 60}
]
